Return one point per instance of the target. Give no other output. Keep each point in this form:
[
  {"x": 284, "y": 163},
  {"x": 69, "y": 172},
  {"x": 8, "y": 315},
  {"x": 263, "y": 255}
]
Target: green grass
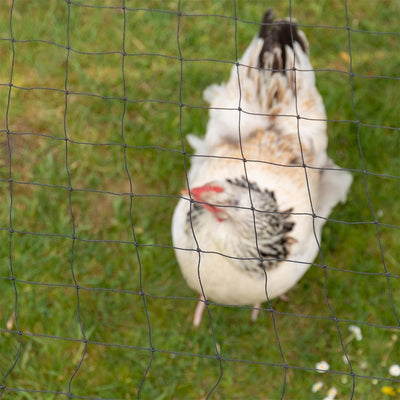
[{"x": 103, "y": 259}]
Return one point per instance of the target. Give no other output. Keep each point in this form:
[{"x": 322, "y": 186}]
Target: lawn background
[{"x": 75, "y": 151}]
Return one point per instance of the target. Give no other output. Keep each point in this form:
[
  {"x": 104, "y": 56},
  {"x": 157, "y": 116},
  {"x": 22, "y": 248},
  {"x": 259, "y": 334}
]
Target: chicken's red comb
[{"x": 198, "y": 191}]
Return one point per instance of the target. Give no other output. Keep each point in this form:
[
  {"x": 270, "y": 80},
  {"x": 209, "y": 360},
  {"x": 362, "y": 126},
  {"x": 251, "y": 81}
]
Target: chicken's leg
[
  {"x": 198, "y": 313},
  {"x": 255, "y": 311}
]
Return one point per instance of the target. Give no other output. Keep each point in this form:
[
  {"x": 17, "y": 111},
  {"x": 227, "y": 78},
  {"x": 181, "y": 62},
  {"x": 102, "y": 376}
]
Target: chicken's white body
[{"x": 268, "y": 128}]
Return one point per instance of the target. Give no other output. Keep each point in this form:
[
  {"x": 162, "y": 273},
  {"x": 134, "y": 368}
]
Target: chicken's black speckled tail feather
[{"x": 278, "y": 34}]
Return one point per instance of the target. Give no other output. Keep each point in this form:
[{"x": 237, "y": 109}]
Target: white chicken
[{"x": 261, "y": 185}]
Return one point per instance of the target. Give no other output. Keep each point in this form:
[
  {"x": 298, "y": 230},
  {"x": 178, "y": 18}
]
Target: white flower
[
  {"x": 356, "y": 331},
  {"x": 322, "y": 366},
  {"x": 317, "y": 386},
  {"x": 332, "y": 392},
  {"x": 363, "y": 364},
  {"x": 394, "y": 370},
  {"x": 345, "y": 359}
]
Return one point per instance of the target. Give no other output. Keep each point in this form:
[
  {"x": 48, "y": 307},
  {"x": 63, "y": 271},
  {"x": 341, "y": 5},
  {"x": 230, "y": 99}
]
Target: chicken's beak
[{"x": 185, "y": 192}]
